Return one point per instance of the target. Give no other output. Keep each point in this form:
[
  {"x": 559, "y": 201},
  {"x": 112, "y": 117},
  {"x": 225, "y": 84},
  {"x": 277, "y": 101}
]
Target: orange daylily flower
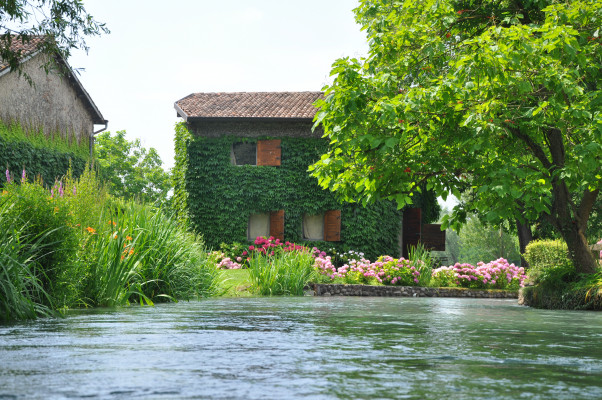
[{"x": 91, "y": 230}]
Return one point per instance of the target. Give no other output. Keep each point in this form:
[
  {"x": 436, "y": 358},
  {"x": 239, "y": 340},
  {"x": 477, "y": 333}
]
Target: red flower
[{"x": 407, "y": 170}]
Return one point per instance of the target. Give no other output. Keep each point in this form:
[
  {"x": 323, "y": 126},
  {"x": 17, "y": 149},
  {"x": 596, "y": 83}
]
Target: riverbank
[{"x": 408, "y": 291}]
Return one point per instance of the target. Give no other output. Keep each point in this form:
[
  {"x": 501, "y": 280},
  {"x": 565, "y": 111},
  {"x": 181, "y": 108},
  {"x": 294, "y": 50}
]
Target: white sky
[{"x": 158, "y": 52}]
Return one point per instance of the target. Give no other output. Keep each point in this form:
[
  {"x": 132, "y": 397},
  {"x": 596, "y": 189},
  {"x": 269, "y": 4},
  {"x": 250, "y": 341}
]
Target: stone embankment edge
[{"x": 408, "y": 291}]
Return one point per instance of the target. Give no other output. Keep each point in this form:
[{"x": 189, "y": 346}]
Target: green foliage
[
  {"x": 216, "y": 198},
  {"x": 479, "y": 241},
  {"x": 131, "y": 170},
  {"x": 501, "y": 100},
  {"x": 281, "y": 274},
  {"x": 48, "y": 157}
]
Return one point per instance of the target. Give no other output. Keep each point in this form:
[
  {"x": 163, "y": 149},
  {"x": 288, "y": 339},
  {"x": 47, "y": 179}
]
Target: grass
[{"x": 236, "y": 283}]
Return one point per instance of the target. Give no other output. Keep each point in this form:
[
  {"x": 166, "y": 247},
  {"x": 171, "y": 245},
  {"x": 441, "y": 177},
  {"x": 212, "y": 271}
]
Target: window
[
  {"x": 313, "y": 226},
  {"x": 259, "y": 225},
  {"x": 264, "y": 152},
  {"x": 266, "y": 224},
  {"x": 325, "y": 226},
  {"x": 244, "y": 153}
]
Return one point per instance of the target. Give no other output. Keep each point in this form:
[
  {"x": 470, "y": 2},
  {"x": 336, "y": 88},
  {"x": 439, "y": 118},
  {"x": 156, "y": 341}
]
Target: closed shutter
[
  {"x": 412, "y": 222},
  {"x": 332, "y": 226},
  {"x": 277, "y": 224},
  {"x": 433, "y": 238},
  {"x": 269, "y": 152}
]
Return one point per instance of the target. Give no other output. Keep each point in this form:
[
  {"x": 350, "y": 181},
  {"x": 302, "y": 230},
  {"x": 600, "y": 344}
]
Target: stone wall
[
  {"x": 408, "y": 291},
  {"x": 51, "y": 103},
  {"x": 253, "y": 127}
]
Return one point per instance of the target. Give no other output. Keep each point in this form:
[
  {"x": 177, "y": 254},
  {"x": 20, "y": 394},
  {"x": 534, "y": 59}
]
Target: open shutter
[
  {"x": 433, "y": 238},
  {"x": 268, "y": 152},
  {"x": 277, "y": 224},
  {"x": 412, "y": 222},
  {"x": 332, "y": 226}
]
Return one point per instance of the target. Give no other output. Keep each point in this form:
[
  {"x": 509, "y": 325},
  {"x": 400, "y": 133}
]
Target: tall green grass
[
  {"x": 22, "y": 295},
  {"x": 285, "y": 273}
]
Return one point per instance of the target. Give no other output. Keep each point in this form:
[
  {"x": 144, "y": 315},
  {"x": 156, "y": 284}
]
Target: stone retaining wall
[{"x": 408, "y": 291}]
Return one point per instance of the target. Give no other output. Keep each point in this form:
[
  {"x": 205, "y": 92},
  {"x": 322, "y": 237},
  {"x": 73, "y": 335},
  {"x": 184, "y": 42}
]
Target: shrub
[{"x": 549, "y": 261}]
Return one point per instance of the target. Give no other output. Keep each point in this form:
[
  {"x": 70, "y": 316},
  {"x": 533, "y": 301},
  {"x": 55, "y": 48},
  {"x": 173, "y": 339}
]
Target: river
[{"x": 307, "y": 348}]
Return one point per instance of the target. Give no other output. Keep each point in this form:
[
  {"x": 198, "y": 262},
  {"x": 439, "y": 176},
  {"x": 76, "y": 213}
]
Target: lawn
[{"x": 236, "y": 282}]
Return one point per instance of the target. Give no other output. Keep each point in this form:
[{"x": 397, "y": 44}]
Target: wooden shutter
[
  {"x": 277, "y": 224},
  {"x": 433, "y": 238},
  {"x": 268, "y": 152},
  {"x": 412, "y": 222},
  {"x": 332, "y": 226}
]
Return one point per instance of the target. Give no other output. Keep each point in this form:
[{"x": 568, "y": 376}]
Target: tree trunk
[
  {"x": 525, "y": 236},
  {"x": 579, "y": 250}
]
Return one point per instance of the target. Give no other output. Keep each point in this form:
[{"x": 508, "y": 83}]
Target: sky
[{"x": 159, "y": 52}]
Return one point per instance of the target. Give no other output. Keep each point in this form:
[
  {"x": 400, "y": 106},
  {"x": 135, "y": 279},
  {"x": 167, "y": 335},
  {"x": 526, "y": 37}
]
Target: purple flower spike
[
  {"x": 7, "y": 176},
  {"x": 23, "y": 176},
  {"x": 51, "y": 192},
  {"x": 61, "y": 192},
  {"x": 74, "y": 190}
]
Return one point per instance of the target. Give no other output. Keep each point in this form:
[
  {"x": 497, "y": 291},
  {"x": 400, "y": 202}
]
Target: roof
[
  {"x": 27, "y": 49},
  {"x": 30, "y": 49},
  {"x": 248, "y": 105}
]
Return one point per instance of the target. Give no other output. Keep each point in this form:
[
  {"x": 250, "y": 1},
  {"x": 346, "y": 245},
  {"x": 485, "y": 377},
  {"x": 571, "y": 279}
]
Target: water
[{"x": 309, "y": 348}]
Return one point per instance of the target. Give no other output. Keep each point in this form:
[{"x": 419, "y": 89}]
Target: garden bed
[{"x": 407, "y": 291}]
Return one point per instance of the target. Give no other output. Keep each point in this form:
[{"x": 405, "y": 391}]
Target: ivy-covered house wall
[{"x": 217, "y": 198}]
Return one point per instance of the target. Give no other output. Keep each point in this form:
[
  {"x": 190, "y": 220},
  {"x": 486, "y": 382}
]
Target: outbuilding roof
[
  {"x": 26, "y": 48},
  {"x": 248, "y": 105}
]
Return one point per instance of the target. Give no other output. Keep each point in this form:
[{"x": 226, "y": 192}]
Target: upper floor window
[
  {"x": 244, "y": 153},
  {"x": 263, "y": 152}
]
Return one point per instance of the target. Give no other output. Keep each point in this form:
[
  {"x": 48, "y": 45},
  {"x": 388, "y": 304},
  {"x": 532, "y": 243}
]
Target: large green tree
[
  {"x": 500, "y": 97},
  {"x": 65, "y": 23},
  {"x": 131, "y": 170}
]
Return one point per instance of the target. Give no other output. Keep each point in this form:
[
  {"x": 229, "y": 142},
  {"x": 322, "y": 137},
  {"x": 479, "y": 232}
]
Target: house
[
  {"x": 55, "y": 102},
  {"x": 242, "y": 171}
]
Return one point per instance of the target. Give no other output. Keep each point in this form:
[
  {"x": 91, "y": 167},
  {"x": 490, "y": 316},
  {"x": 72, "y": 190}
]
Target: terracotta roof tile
[
  {"x": 249, "y": 105},
  {"x": 26, "y": 48}
]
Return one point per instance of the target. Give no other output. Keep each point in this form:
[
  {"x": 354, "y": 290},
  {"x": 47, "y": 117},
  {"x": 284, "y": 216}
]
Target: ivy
[
  {"x": 39, "y": 156},
  {"x": 216, "y": 198}
]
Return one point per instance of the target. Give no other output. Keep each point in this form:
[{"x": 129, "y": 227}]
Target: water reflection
[{"x": 321, "y": 348}]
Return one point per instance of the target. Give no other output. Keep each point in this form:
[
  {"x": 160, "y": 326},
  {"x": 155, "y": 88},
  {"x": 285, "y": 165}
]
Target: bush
[{"x": 549, "y": 261}]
